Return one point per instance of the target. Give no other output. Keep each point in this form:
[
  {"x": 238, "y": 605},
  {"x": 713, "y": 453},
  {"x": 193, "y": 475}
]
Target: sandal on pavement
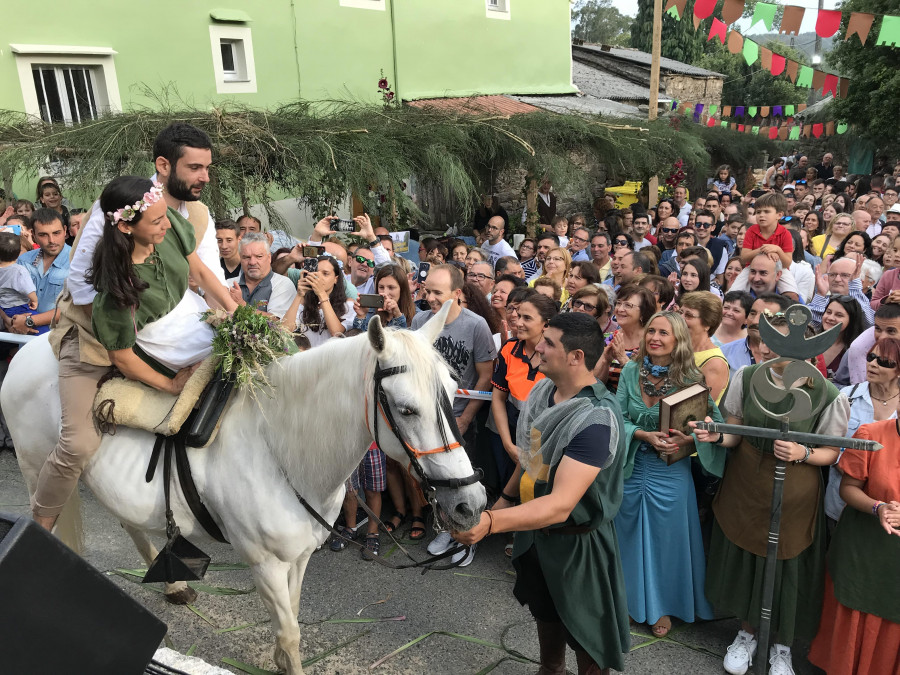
[
  {"x": 662, "y": 627},
  {"x": 373, "y": 546},
  {"x": 508, "y": 549},
  {"x": 395, "y": 522},
  {"x": 417, "y": 532}
]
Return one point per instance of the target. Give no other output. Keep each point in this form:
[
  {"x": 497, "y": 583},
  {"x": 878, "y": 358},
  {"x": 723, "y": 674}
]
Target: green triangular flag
[
  {"x": 724, "y": 124},
  {"x": 712, "y": 110},
  {"x": 805, "y": 76},
  {"x": 789, "y": 110},
  {"x": 673, "y": 12},
  {"x": 751, "y": 111},
  {"x": 795, "y": 133},
  {"x": 764, "y": 12},
  {"x": 890, "y": 31},
  {"x": 842, "y": 127},
  {"x": 751, "y": 53},
  {"x": 754, "y": 131}
]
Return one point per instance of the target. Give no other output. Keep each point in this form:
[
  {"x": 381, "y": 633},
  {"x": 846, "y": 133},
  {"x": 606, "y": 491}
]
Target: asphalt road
[{"x": 355, "y": 614}]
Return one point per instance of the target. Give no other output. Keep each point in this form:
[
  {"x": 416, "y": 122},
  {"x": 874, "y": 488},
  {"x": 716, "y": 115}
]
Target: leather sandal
[
  {"x": 417, "y": 532},
  {"x": 396, "y": 521},
  {"x": 662, "y": 627}
]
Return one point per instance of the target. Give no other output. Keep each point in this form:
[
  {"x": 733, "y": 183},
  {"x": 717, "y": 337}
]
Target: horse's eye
[{"x": 406, "y": 412}]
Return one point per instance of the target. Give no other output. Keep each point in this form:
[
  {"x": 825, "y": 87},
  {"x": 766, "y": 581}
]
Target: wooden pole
[{"x": 656, "y": 52}]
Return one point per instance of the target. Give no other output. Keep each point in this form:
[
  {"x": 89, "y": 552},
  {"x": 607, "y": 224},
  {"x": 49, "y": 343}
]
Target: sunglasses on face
[
  {"x": 621, "y": 242},
  {"x": 670, "y": 230},
  {"x": 581, "y": 304},
  {"x": 361, "y": 259},
  {"x": 884, "y": 363},
  {"x": 703, "y": 226}
]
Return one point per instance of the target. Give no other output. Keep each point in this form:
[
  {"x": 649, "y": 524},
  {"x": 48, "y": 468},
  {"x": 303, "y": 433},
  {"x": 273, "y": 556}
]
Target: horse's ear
[
  {"x": 433, "y": 327},
  {"x": 376, "y": 334}
]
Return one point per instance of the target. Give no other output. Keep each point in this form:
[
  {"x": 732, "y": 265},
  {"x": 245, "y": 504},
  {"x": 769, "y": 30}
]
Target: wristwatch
[
  {"x": 374, "y": 242},
  {"x": 29, "y": 322}
]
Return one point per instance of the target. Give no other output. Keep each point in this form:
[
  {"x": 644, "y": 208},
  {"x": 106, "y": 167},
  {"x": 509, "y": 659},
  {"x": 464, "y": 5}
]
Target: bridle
[{"x": 444, "y": 411}]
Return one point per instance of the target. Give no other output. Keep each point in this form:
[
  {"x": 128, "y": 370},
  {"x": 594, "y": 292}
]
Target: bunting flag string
[
  {"x": 800, "y": 75},
  {"x": 787, "y": 128},
  {"x": 828, "y": 21}
]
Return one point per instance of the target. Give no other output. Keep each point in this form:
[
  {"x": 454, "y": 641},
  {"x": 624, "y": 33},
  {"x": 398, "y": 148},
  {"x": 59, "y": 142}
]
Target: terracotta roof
[{"x": 503, "y": 105}]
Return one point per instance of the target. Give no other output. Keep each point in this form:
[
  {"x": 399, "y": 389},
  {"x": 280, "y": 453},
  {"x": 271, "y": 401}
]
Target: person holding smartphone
[
  {"x": 321, "y": 309},
  {"x": 397, "y": 309}
]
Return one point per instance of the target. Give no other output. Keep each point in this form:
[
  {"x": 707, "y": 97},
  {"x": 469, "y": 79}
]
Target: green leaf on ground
[
  {"x": 191, "y": 650},
  {"x": 232, "y": 629},
  {"x": 201, "y": 615},
  {"x": 221, "y": 590},
  {"x": 223, "y": 567},
  {"x": 366, "y": 619},
  {"x": 332, "y": 650}
]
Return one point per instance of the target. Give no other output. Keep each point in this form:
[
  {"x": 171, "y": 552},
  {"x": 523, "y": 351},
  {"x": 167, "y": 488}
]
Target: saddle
[{"x": 123, "y": 402}]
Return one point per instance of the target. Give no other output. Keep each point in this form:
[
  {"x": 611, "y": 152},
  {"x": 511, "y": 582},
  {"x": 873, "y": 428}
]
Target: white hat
[{"x": 895, "y": 208}]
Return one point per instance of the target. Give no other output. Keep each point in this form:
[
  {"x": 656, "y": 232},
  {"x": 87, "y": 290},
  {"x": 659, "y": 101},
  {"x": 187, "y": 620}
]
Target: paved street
[{"x": 354, "y": 614}]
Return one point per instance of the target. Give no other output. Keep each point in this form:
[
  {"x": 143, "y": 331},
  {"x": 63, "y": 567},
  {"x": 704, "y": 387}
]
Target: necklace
[
  {"x": 653, "y": 390},
  {"x": 884, "y": 401}
]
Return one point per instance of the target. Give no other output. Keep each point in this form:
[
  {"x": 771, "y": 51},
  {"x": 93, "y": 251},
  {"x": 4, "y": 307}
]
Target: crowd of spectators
[{"x": 678, "y": 291}]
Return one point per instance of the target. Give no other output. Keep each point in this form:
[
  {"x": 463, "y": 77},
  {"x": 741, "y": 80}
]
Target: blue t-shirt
[{"x": 589, "y": 446}]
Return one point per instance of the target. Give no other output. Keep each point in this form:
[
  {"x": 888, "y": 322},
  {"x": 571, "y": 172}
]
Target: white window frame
[
  {"x": 98, "y": 59},
  {"x": 497, "y": 9},
  {"x": 243, "y": 79},
  {"x": 377, "y": 5}
]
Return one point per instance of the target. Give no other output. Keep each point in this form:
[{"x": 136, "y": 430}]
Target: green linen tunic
[
  {"x": 583, "y": 571},
  {"x": 166, "y": 273}
]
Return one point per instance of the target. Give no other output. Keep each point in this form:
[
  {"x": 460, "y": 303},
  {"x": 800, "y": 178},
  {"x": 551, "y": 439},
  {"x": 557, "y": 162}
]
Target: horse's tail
[{"x": 70, "y": 526}]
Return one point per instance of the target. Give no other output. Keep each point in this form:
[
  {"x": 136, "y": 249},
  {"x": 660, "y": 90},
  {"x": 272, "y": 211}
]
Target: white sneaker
[
  {"x": 780, "y": 660},
  {"x": 740, "y": 654},
  {"x": 440, "y": 543},
  {"x": 469, "y": 557}
]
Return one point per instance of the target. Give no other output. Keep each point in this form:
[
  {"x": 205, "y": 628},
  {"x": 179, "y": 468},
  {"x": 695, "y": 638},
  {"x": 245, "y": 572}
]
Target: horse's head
[{"x": 412, "y": 396}]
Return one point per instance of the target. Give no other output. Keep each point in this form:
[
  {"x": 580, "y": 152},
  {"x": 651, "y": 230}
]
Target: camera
[
  {"x": 341, "y": 225},
  {"x": 371, "y": 301}
]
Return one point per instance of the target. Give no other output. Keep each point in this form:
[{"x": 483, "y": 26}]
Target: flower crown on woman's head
[{"x": 127, "y": 213}]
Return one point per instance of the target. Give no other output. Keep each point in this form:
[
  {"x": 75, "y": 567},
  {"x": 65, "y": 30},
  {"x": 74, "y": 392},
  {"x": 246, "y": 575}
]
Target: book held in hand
[{"x": 690, "y": 404}]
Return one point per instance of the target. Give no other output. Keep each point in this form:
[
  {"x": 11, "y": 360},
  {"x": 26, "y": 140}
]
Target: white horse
[{"x": 306, "y": 440}]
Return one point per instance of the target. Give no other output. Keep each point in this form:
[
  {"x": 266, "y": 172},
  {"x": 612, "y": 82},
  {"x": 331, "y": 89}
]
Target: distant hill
[{"x": 805, "y": 42}]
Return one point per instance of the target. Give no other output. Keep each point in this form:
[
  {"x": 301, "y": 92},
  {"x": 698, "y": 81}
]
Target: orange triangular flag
[
  {"x": 860, "y": 24},
  {"x": 735, "y": 42},
  {"x": 791, "y": 70},
  {"x": 732, "y": 10},
  {"x": 764, "y": 111},
  {"x": 790, "y": 22},
  {"x": 818, "y": 80},
  {"x": 726, "y": 111},
  {"x": 807, "y": 130},
  {"x": 845, "y": 87},
  {"x": 765, "y": 57},
  {"x": 801, "y": 106},
  {"x": 783, "y": 133},
  {"x": 829, "y": 128}
]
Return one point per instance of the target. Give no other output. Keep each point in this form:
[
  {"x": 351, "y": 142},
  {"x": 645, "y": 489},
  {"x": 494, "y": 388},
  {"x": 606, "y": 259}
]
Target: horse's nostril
[{"x": 464, "y": 510}]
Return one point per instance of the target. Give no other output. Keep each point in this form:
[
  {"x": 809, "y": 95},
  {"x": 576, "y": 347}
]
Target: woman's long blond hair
[{"x": 683, "y": 371}]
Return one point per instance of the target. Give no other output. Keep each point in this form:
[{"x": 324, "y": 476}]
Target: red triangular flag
[
  {"x": 773, "y": 133},
  {"x": 718, "y": 29},
  {"x": 818, "y": 129},
  {"x": 711, "y": 122},
  {"x": 828, "y": 22},
  {"x": 830, "y": 86},
  {"x": 740, "y": 127},
  {"x": 860, "y": 24},
  {"x": 778, "y": 63}
]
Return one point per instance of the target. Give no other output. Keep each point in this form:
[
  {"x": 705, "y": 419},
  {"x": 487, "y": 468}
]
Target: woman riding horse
[{"x": 144, "y": 315}]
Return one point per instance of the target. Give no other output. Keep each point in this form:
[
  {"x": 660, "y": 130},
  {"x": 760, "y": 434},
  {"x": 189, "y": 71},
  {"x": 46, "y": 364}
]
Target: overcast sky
[{"x": 629, "y": 7}]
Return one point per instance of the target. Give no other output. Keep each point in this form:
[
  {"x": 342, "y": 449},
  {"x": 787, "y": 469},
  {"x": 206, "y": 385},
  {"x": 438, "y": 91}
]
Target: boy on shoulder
[{"x": 767, "y": 236}]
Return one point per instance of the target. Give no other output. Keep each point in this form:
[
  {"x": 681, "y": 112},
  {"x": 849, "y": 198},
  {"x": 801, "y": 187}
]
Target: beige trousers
[{"x": 78, "y": 439}]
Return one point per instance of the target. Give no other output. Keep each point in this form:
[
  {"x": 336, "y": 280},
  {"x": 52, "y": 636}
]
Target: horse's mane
[{"x": 319, "y": 397}]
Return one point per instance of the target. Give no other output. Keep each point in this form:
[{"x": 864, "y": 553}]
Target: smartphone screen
[
  {"x": 371, "y": 301},
  {"x": 311, "y": 251}
]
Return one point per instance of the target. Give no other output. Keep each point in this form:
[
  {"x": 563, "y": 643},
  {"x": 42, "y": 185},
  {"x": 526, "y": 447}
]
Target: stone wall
[{"x": 688, "y": 88}]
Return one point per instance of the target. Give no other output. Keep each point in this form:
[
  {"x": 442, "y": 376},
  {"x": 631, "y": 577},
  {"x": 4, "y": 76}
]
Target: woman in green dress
[
  {"x": 144, "y": 314},
  {"x": 737, "y": 555}
]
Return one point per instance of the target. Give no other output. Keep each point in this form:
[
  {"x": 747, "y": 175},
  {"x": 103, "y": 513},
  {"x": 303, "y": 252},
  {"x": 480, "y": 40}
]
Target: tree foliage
[
  {"x": 874, "y": 72},
  {"x": 600, "y": 22},
  {"x": 679, "y": 40}
]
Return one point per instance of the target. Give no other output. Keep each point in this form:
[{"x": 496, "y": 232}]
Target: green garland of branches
[{"x": 321, "y": 152}]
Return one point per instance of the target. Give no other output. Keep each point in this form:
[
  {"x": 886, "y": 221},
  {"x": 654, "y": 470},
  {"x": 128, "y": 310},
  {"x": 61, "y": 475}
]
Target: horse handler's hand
[{"x": 476, "y": 534}]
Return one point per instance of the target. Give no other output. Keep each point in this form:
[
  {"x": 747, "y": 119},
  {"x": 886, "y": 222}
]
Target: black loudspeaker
[{"x": 60, "y": 616}]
